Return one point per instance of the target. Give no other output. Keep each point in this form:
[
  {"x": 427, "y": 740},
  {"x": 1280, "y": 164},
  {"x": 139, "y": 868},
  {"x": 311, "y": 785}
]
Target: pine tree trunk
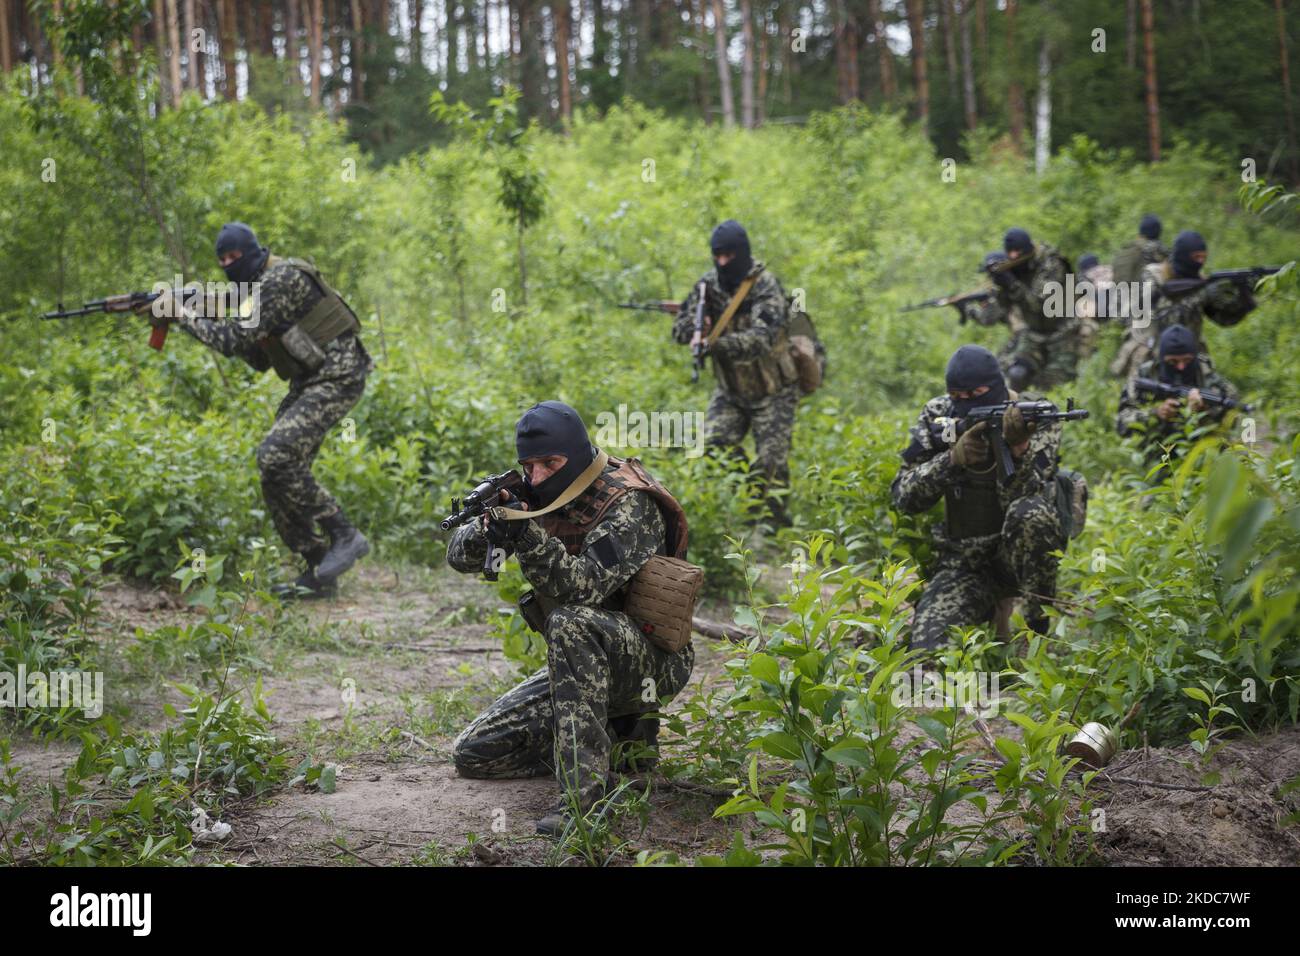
[
  {"x": 562, "y": 15},
  {"x": 948, "y": 29},
  {"x": 6, "y": 53},
  {"x": 1015, "y": 92},
  {"x": 968, "y": 68},
  {"x": 848, "y": 81},
  {"x": 415, "y": 42},
  {"x": 1294, "y": 163},
  {"x": 888, "y": 85},
  {"x": 160, "y": 39},
  {"x": 1152, "y": 94},
  {"x": 292, "y": 46},
  {"x": 724, "y": 67},
  {"x": 747, "y": 65},
  {"x": 228, "y": 40},
  {"x": 920, "y": 80},
  {"x": 765, "y": 66},
  {"x": 314, "y": 29},
  {"x": 356, "y": 51}
]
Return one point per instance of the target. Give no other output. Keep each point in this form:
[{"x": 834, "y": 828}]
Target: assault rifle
[
  {"x": 956, "y": 300},
  {"x": 485, "y": 496},
  {"x": 948, "y": 430},
  {"x": 666, "y": 306},
  {"x": 1151, "y": 388},
  {"x": 126, "y": 302},
  {"x": 699, "y": 348},
  {"x": 1244, "y": 278}
]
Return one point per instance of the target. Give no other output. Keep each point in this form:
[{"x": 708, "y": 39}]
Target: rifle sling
[
  {"x": 580, "y": 484},
  {"x": 732, "y": 306}
]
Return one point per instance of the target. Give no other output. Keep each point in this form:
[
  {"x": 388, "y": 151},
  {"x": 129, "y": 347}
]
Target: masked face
[
  {"x": 1180, "y": 370},
  {"x": 553, "y": 447},
  {"x": 730, "y": 246},
  {"x": 241, "y": 257},
  {"x": 974, "y": 378}
]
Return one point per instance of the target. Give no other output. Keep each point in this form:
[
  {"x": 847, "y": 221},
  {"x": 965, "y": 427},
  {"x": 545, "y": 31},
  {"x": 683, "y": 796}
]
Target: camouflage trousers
[
  {"x": 292, "y": 494},
  {"x": 599, "y": 667},
  {"x": 1053, "y": 357},
  {"x": 970, "y": 579},
  {"x": 771, "y": 419}
]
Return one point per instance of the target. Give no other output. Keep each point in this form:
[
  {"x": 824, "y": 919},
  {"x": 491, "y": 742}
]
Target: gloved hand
[
  {"x": 972, "y": 449},
  {"x": 1015, "y": 431},
  {"x": 1003, "y": 278},
  {"x": 1221, "y": 293},
  {"x": 504, "y": 534}
]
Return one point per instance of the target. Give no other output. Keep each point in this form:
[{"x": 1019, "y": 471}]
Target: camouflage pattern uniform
[
  {"x": 1137, "y": 413},
  {"x": 1223, "y": 301},
  {"x": 1048, "y": 344},
  {"x": 566, "y": 718},
  {"x": 997, "y": 538},
  {"x": 314, "y": 404},
  {"x": 1135, "y": 257},
  {"x": 757, "y": 383}
]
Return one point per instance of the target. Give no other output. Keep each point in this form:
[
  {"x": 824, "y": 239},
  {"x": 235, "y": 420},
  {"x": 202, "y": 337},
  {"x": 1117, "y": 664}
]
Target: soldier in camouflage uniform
[
  {"x": 990, "y": 312},
  {"x": 1145, "y": 249},
  {"x": 1045, "y": 352},
  {"x": 1161, "y": 423},
  {"x": 1092, "y": 305},
  {"x": 290, "y": 296},
  {"x": 602, "y": 674},
  {"x": 997, "y": 538},
  {"x": 1178, "y": 298},
  {"x": 757, "y": 380}
]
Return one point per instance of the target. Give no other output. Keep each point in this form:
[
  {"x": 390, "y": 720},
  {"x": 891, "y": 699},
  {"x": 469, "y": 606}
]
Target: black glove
[
  {"x": 1003, "y": 278},
  {"x": 504, "y": 534}
]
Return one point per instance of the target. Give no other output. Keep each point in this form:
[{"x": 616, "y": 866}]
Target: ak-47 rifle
[
  {"x": 1244, "y": 278},
  {"x": 1151, "y": 388},
  {"x": 956, "y": 300},
  {"x": 948, "y": 430},
  {"x": 699, "y": 347},
  {"x": 666, "y": 306},
  {"x": 485, "y": 496},
  {"x": 127, "y": 302}
]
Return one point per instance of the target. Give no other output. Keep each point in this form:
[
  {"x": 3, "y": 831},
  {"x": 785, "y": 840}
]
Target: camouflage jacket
[
  {"x": 1029, "y": 290},
  {"x": 1136, "y": 256},
  {"x": 286, "y": 294},
  {"x": 1137, "y": 413},
  {"x": 629, "y": 534},
  {"x": 928, "y": 473},
  {"x": 1223, "y": 301},
  {"x": 750, "y": 358}
]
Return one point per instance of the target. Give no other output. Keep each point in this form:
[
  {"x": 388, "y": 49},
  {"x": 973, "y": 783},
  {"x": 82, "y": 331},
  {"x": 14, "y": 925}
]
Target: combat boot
[
  {"x": 556, "y": 821},
  {"x": 347, "y": 544},
  {"x": 307, "y": 587}
]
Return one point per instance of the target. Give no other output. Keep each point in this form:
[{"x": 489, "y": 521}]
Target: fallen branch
[
  {"x": 357, "y": 855},
  {"x": 1151, "y": 783},
  {"x": 722, "y": 632},
  {"x": 419, "y": 740}
]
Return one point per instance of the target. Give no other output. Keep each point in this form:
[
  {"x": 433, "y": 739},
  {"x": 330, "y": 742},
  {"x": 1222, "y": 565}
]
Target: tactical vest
[
  {"x": 972, "y": 507},
  {"x": 1162, "y": 303},
  {"x": 752, "y": 379},
  {"x": 329, "y": 318},
  {"x": 582, "y": 514}
]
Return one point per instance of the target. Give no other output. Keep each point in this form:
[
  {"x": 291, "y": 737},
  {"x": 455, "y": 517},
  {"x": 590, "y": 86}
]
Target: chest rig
[
  {"x": 298, "y": 350},
  {"x": 574, "y": 522}
]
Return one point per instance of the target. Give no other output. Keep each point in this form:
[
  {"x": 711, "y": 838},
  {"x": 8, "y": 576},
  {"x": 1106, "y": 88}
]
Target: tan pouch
[
  {"x": 298, "y": 342},
  {"x": 661, "y": 601}
]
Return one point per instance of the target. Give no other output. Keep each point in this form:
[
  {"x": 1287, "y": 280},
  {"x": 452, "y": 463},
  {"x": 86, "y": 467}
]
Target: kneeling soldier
[
  {"x": 998, "y": 537},
  {"x": 602, "y": 674}
]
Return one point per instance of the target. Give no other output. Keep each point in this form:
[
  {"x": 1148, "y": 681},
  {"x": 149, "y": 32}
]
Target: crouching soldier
[
  {"x": 1180, "y": 387},
  {"x": 998, "y": 536},
  {"x": 599, "y": 520}
]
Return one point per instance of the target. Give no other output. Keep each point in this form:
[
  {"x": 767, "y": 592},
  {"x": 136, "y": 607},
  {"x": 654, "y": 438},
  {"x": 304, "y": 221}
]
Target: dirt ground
[{"x": 379, "y": 681}]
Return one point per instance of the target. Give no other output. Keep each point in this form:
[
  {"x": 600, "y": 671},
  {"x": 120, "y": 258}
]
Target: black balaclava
[
  {"x": 236, "y": 235},
  {"x": 970, "y": 367},
  {"x": 1087, "y": 261},
  {"x": 992, "y": 259},
  {"x": 1018, "y": 239},
  {"x": 553, "y": 428},
  {"x": 731, "y": 237},
  {"x": 1150, "y": 226},
  {"x": 1179, "y": 340},
  {"x": 1185, "y": 267}
]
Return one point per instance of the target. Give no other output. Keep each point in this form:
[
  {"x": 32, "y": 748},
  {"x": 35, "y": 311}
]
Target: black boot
[
  {"x": 307, "y": 587},
  {"x": 347, "y": 544}
]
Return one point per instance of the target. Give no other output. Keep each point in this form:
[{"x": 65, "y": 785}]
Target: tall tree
[
  {"x": 747, "y": 65},
  {"x": 1043, "y": 110},
  {"x": 920, "y": 79},
  {"x": 356, "y": 51},
  {"x": 1153, "y": 99},
  {"x": 847, "y": 76},
  {"x": 724, "y": 67},
  {"x": 1286, "y": 90},
  {"x": 229, "y": 43},
  {"x": 174, "y": 52},
  {"x": 949, "y": 36},
  {"x": 968, "y": 68},
  {"x": 315, "y": 45},
  {"x": 562, "y": 15},
  {"x": 415, "y": 40},
  {"x": 888, "y": 85},
  {"x": 1015, "y": 90}
]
